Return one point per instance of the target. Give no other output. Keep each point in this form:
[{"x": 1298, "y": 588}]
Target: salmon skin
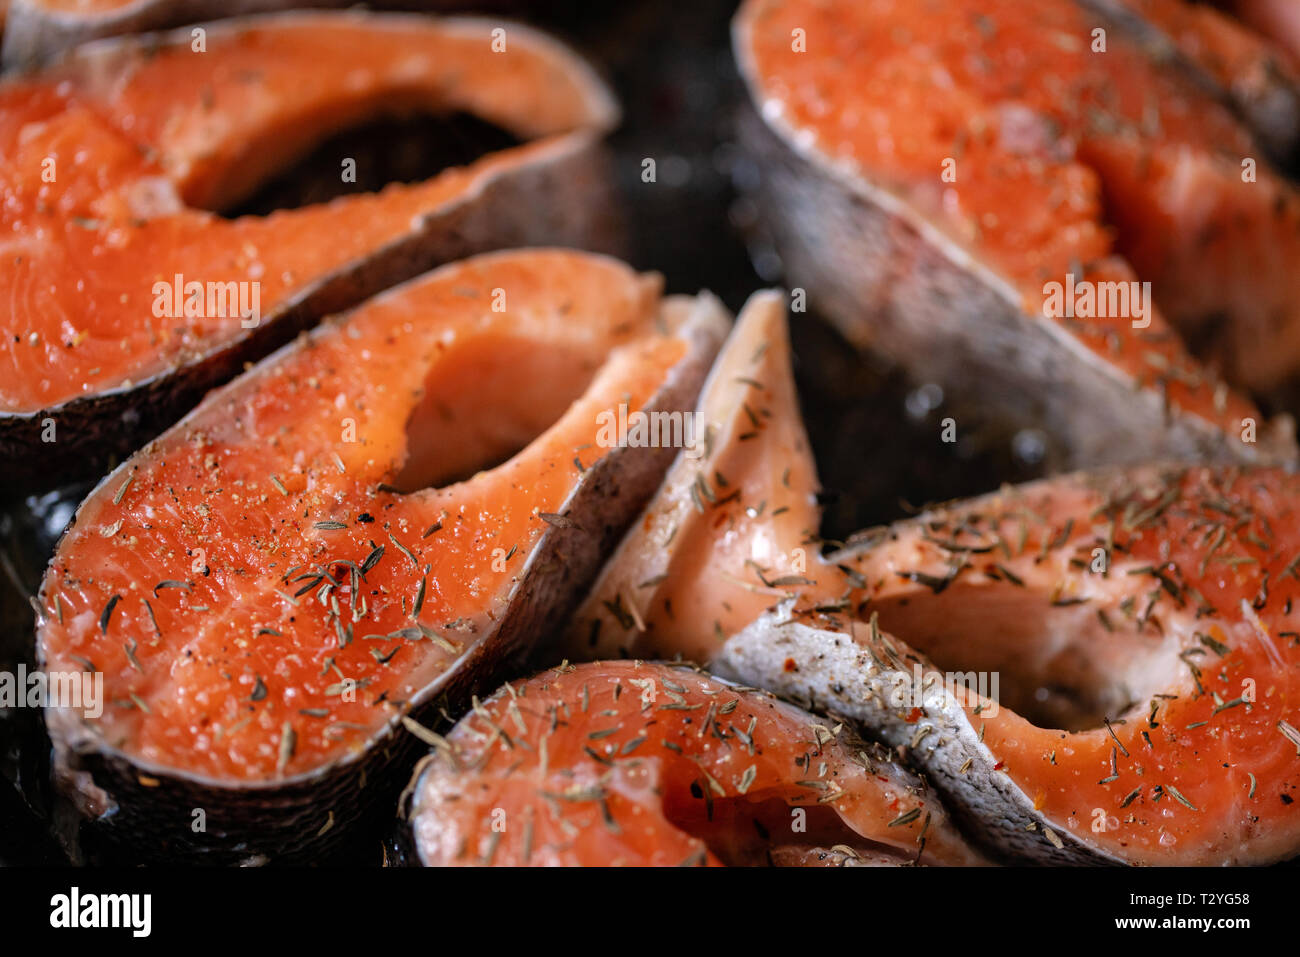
[
  {"x": 640, "y": 763},
  {"x": 130, "y": 298},
  {"x": 1240, "y": 66},
  {"x": 939, "y": 193},
  {"x": 1141, "y": 628},
  {"x": 324, "y": 546}
]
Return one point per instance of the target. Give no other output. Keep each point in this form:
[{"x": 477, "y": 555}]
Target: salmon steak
[
  {"x": 1042, "y": 218},
  {"x": 1097, "y": 667},
  {"x": 646, "y": 764},
  {"x": 732, "y": 528},
  {"x": 375, "y": 518},
  {"x": 131, "y": 296}
]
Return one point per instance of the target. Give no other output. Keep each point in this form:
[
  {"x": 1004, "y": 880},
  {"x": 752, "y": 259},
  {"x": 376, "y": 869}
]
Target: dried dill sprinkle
[
  {"x": 1052, "y": 836},
  {"x": 148, "y": 608},
  {"x": 1123, "y": 750},
  {"x": 419, "y": 597},
  {"x": 1290, "y": 733},
  {"x": 431, "y": 738},
  {"x": 431, "y": 529},
  {"x": 288, "y": 744},
  {"x": 907, "y": 817},
  {"x": 309, "y": 586},
  {"x": 1114, "y": 769},
  {"x": 1173, "y": 792},
  {"x": 117, "y": 499},
  {"x": 556, "y": 519},
  {"x": 405, "y": 551},
  {"x": 139, "y": 703},
  {"x": 1218, "y": 647},
  {"x": 1009, "y": 575},
  {"x": 382, "y": 658},
  {"x": 372, "y": 559},
  {"x": 747, "y": 779},
  {"x": 328, "y": 526},
  {"x": 343, "y": 632},
  {"x": 1252, "y": 786},
  {"x": 1130, "y": 797},
  {"x": 259, "y": 690},
  {"x": 130, "y": 648},
  {"x": 171, "y": 584},
  {"x": 623, "y": 616},
  {"x": 108, "y": 613},
  {"x": 275, "y": 480}
]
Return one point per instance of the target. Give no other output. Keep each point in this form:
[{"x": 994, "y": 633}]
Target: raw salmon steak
[
  {"x": 129, "y": 296},
  {"x": 380, "y": 515},
  {"x": 639, "y": 763},
  {"x": 1097, "y": 667},
  {"x": 981, "y": 192}
]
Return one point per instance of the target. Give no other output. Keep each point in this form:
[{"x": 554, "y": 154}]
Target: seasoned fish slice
[
  {"x": 129, "y": 298},
  {"x": 643, "y": 763},
  {"x": 1098, "y": 667},
  {"x": 373, "y": 519},
  {"x": 940, "y": 191}
]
